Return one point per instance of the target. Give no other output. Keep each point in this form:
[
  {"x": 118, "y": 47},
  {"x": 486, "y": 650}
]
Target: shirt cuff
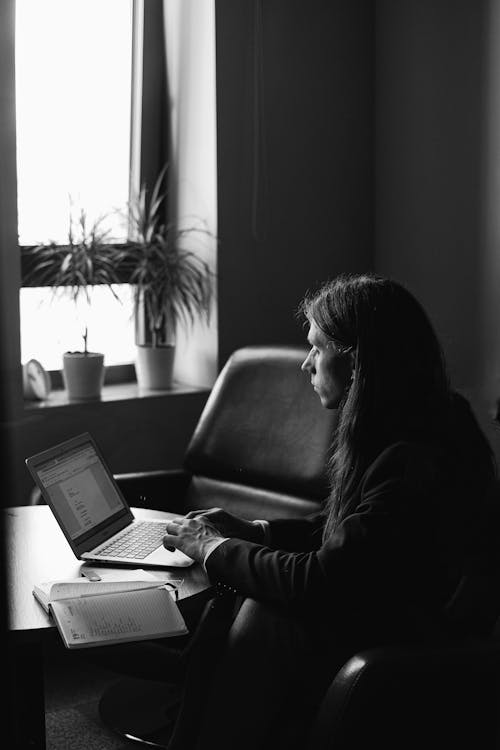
[
  {"x": 211, "y": 546},
  {"x": 266, "y": 539},
  {"x": 266, "y": 531}
]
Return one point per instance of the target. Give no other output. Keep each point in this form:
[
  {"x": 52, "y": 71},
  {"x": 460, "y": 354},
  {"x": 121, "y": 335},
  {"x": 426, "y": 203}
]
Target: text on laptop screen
[{"x": 80, "y": 489}]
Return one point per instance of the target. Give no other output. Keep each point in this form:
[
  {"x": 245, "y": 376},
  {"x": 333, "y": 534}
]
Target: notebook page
[
  {"x": 61, "y": 589},
  {"x": 93, "y": 620},
  {"x": 70, "y": 589}
]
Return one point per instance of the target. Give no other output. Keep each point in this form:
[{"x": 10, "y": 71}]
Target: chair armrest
[
  {"x": 432, "y": 696},
  {"x": 158, "y": 490}
]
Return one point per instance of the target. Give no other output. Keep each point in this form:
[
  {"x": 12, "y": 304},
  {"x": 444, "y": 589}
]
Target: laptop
[{"x": 88, "y": 505}]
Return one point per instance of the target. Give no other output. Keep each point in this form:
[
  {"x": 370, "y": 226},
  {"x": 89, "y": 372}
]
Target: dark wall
[
  {"x": 294, "y": 143},
  {"x": 430, "y": 136}
]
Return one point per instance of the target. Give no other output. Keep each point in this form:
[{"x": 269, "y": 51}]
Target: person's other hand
[
  {"x": 228, "y": 524},
  {"x": 193, "y": 536}
]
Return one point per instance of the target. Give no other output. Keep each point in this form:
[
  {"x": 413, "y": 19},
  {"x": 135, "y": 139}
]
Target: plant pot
[
  {"x": 83, "y": 375},
  {"x": 154, "y": 367}
]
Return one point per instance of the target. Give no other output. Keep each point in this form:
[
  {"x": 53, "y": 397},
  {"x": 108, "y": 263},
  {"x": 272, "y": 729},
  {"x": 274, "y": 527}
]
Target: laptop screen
[{"x": 79, "y": 489}]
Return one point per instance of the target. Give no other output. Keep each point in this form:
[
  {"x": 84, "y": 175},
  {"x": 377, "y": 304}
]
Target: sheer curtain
[{"x": 189, "y": 27}]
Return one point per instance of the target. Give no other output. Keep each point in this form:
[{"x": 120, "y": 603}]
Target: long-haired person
[{"x": 409, "y": 470}]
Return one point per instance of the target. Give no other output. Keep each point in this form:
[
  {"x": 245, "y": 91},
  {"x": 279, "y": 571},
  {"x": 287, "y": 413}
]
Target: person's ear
[{"x": 352, "y": 361}]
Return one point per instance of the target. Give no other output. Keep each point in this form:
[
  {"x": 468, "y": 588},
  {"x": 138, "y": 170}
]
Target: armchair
[{"x": 259, "y": 450}]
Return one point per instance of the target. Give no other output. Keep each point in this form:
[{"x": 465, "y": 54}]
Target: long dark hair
[{"x": 400, "y": 389}]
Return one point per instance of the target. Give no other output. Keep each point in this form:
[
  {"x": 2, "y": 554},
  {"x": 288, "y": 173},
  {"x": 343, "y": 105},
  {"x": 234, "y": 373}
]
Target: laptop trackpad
[{"x": 162, "y": 556}]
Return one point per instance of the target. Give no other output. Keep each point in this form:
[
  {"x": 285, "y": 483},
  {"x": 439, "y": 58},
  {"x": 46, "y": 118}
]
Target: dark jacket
[{"x": 394, "y": 563}]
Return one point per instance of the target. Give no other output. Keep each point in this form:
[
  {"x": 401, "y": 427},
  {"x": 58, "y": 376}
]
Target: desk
[{"x": 36, "y": 550}]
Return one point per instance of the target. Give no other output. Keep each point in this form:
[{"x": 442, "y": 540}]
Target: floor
[{"x": 71, "y": 703}]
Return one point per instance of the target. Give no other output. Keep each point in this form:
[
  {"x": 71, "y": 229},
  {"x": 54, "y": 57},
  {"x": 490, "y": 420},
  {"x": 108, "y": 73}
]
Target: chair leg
[{"x": 141, "y": 711}]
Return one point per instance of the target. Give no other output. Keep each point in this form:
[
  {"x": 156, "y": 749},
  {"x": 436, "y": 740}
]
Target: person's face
[{"x": 330, "y": 369}]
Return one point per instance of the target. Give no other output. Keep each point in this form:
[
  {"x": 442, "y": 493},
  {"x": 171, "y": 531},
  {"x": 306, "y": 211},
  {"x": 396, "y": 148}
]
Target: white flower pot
[
  {"x": 83, "y": 375},
  {"x": 154, "y": 367}
]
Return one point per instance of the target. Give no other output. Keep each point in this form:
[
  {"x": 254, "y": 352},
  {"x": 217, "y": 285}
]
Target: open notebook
[{"x": 106, "y": 612}]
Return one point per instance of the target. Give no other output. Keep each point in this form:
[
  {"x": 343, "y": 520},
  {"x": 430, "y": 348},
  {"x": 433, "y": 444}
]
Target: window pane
[
  {"x": 52, "y": 326},
  {"x": 73, "y": 107}
]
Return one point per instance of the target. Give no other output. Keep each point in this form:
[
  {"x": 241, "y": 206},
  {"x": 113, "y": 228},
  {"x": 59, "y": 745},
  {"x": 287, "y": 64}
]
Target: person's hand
[
  {"x": 228, "y": 524},
  {"x": 193, "y": 536}
]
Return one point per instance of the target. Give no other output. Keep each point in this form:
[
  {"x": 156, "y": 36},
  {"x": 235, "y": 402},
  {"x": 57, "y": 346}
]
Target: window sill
[{"x": 113, "y": 392}]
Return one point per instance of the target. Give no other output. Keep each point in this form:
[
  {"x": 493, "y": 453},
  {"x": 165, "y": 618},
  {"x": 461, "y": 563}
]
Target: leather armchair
[
  {"x": 260, "y": 446},
  {"x": 436, "y": 696},
  {"x": 259, "y": 450}
]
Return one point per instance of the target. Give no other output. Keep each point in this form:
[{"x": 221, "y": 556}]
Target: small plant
[
  {"x": 85, "y": 336},
  {"x": 88, "y": 259},
  {"x": 171, "y": 284}
]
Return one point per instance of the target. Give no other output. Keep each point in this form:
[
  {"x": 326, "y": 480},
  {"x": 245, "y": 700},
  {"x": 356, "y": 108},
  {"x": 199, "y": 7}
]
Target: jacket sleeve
[
  {"x": 366, "y": 554},
  {"x": 297, "y": 534}
]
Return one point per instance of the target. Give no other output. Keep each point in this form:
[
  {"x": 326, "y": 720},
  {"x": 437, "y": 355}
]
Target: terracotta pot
[
  {"x": 83, "y": 375},
  {"x": 154, "y": 367}
]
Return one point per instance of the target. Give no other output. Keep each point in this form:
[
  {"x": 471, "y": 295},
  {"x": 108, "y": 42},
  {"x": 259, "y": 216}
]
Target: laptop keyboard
[{"x": 137, "y": 542}]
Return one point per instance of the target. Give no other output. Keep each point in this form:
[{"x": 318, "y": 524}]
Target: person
[{"x": 409, "y": 472}]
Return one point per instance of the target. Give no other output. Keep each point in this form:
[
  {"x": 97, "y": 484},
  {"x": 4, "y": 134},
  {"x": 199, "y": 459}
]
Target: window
[
  {"x": 73, "y": 112},
  {"x": 58, "y": 326}
]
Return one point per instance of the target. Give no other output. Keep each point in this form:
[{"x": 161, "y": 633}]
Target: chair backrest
[{"x": 262, "y": 441}]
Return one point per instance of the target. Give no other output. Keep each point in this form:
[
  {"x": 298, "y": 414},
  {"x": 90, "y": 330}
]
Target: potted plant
[
  {"x": 87, "y": 260},
  {"x": 172, "y": 284}
]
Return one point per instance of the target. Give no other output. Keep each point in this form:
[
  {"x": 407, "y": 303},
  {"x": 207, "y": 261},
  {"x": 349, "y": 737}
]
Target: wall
[
  {"x": 437, "y": 186},
  {"x": 9, "y": 332},
  {"x": 294, "y": 119},
  {"x": 430, "y": 64},
  {"x": 10, "y": 358},
  {"x": 488, "y": 389},
  {"x": 490, "y": 266}
]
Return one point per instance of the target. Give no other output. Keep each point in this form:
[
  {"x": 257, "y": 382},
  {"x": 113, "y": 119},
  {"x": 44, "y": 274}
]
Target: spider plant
[
  {"x": 172, "y": 284},
  {"x": 88, "y": 259}
]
